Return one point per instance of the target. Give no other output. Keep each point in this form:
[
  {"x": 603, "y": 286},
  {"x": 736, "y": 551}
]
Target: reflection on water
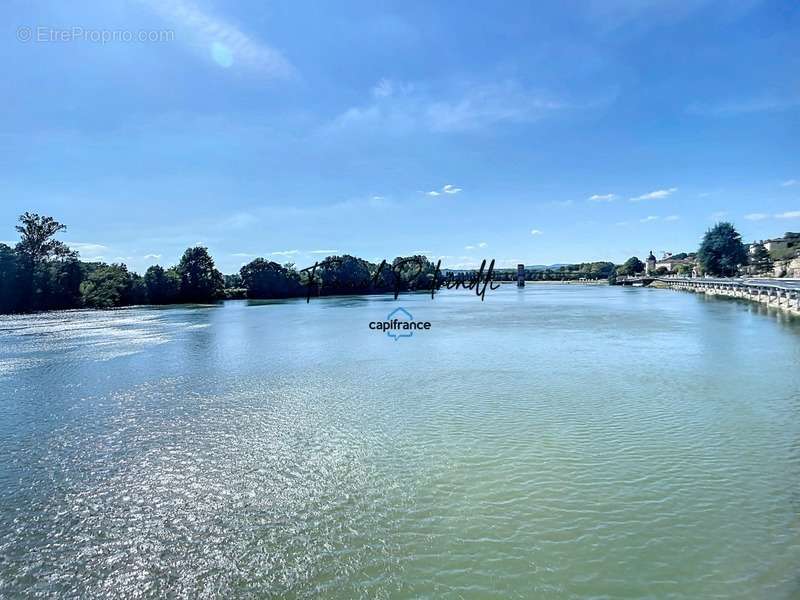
[{"x": 556, "y": 442}]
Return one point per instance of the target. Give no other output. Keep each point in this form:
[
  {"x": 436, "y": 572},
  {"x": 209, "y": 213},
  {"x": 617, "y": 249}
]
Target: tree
[
  {"x": 37, "y": 244},
  {"x": 631, "y": 266},
  {"x": 267, "y": 279},
  {"x": 9, "y": 280},
  {"x": 232, "y": 281},
  {"x": 200, "y": 279},
  {"x": 722, "y": 253},
  {"x": 37, "y": 233},
  {"x": 106, "y": 286},
  {"x": 163, "y": 286},
  {"x": 661, "y": 271},
  {"x": 345, "y": 274},
  {"x": 760, "y": 259}
]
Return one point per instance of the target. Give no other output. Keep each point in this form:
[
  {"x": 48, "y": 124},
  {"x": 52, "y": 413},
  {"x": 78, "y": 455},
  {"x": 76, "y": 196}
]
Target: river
[{"x": 560, "y": 441}]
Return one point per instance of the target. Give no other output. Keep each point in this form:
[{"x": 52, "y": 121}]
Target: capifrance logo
[{"x": 399, "y": 324}]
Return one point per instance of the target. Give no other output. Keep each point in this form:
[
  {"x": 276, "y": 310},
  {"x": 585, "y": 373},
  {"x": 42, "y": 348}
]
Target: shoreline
[{"x": 786, "y": 300}]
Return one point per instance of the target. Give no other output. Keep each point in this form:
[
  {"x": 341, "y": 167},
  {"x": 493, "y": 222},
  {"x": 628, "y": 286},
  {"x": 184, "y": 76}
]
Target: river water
[{"x": 556, "y": 442}]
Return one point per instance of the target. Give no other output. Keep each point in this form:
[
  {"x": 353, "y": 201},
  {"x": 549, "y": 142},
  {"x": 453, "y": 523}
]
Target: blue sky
[{"x": 525, "y": 132}]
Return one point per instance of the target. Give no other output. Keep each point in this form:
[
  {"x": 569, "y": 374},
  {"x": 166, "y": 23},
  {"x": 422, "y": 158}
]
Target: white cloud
[
  {"x": 649, "y": 219},
  {"x": 87, "y": 247},
  {"x": 243, "y": 255},
  {"x": 469, "y": 247},
  {"x": 328, "y": 252},
  {"x": 790, "y": 182},
  {"x": 152, "y": 257},
  {"x": 602, "y": 197},
  {"x": 756, "y": 216},
  {"x": 536, "y": 232},
  {"x": 285, "y": 252},
  {"x": 446, "y": 189},
  {"x": 791, "y": 214},
  {"x": 672, "y": 218},
  {"x": 656, "y": 195},
  {"x": 226, "y": 44},
  {"x": 482, "y": 244},
  {"x": 378, "y": 198}
]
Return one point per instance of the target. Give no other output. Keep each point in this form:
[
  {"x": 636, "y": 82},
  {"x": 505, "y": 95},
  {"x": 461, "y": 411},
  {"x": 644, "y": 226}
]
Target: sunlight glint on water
[{"x": 557, "y": 442}]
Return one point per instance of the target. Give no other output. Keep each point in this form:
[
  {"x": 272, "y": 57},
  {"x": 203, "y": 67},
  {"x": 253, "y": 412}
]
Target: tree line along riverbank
[{"x": 42, "y": 273}]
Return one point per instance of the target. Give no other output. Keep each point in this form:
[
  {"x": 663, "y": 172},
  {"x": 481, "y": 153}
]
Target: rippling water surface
[{"x": 556, "y": 442}]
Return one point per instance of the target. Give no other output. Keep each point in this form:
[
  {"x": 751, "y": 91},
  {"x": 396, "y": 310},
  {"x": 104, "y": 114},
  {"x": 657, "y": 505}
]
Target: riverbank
[{"x": 782, "y": 295}]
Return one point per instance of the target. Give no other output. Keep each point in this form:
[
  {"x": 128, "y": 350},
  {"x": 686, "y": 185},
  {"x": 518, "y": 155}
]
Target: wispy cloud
[
  {"x": 536, "y": 232},
  {"x": 482, "y": 244},
  {"x": 756, "y": 216},
  {"x": 405, "y": 107},
  {"x": 602, "y": 197},
  {"x": 730, "y": 108},
  {"x": 649, "y": 219},
  {"x": 446, "y": 189},
  {"x": 656, "y": 195},
  {"x": 152, "y": 257},
  {"x": 327, "y": 252},
  {"x": 240, "y": 220},
  {"x": 790, "y": 182},
  {"x": 672, "y": 218},
  {"x": 285, "y": 252},
  {"x": 223, "y": 42},
  {"x": 791, "y": 214}
]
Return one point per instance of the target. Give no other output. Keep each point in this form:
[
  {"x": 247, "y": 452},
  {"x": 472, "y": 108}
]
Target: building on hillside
[
  {"x": 780, "y": 247},
  {"x": 671, "y": 263}
]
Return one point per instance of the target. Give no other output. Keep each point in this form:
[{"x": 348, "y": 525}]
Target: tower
[
  {"x": 650, "y": 266},
  {"x": 520, "y": 275}
]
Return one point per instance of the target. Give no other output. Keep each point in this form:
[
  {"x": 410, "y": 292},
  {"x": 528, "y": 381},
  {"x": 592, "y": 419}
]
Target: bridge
[{"x": 780, "y": 293}]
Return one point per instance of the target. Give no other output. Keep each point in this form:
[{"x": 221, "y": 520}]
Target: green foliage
[
  {"x": 9, "y": 280},
  {"x": 661, "y": 271},
  {"x": 760, "y": 259},
  {"x": 266, "y": 279},
  {"x": 722, "y": 253},
  {"x": 632, "y": 266},
  {"x": 200, "y": 280},
  {"x": 37, "y": 241},
  {"x": 162, "y": 286},
  {"x": 235, "y": 280},
  {"x": 107, "y": 286}
]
